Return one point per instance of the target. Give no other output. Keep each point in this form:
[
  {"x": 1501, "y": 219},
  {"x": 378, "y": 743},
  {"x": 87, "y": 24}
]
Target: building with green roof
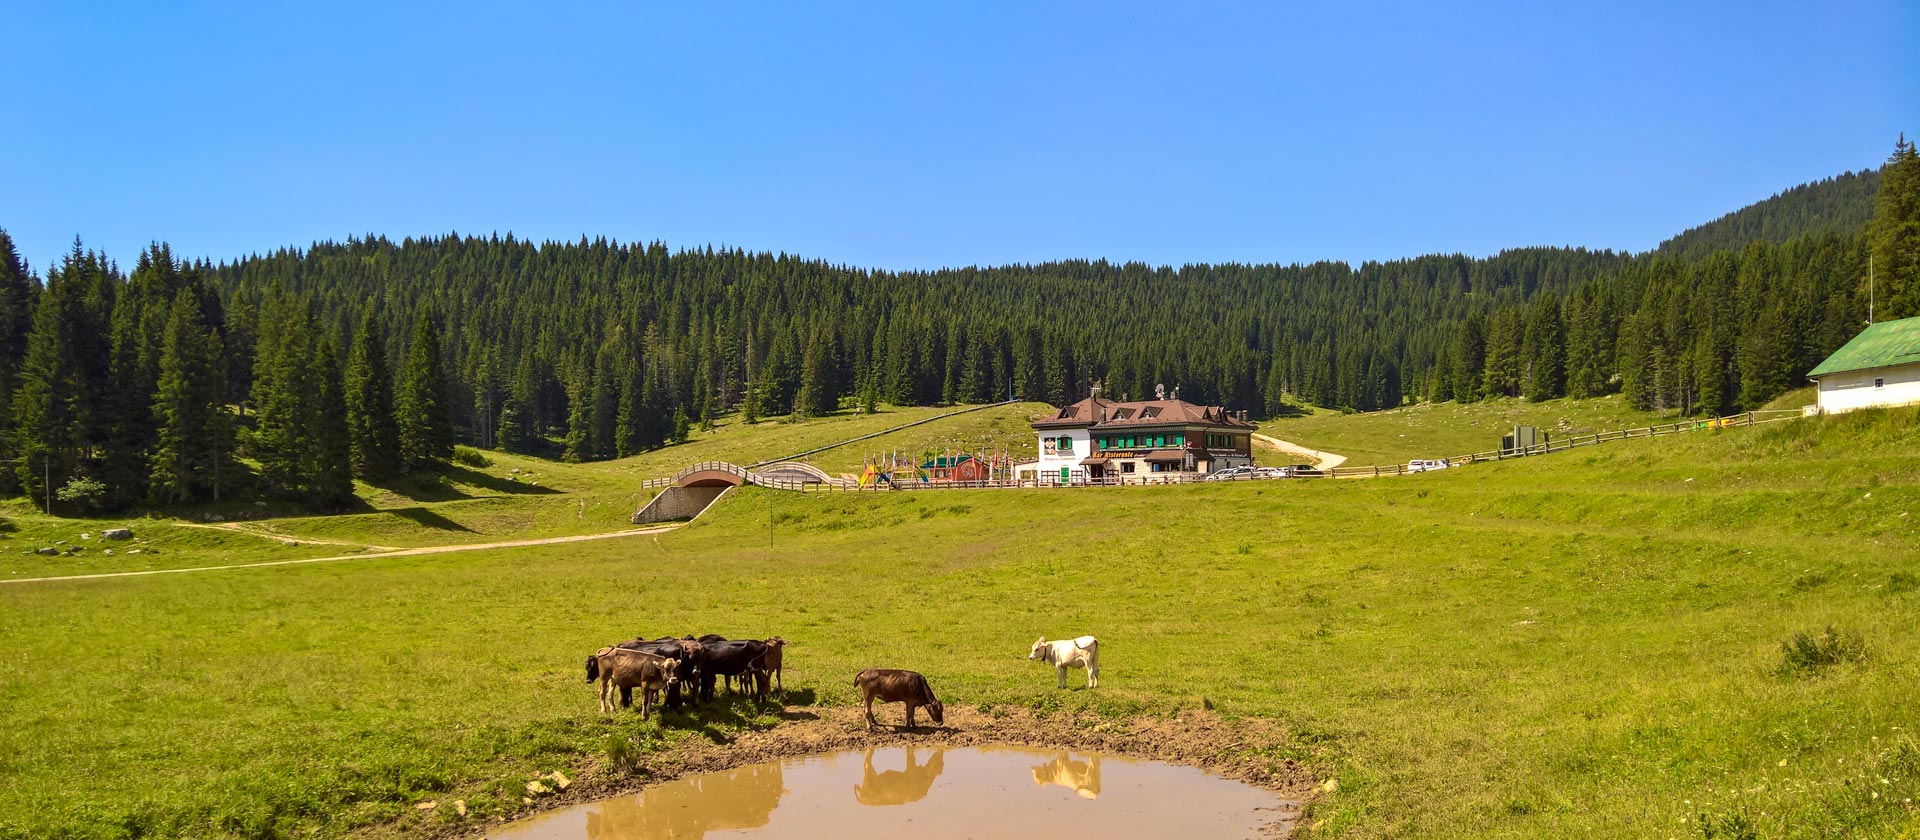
[{"x": 1879, "y": 367}]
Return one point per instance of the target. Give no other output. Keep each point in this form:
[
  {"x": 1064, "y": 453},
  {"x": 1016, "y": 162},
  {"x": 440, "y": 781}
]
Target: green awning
[{"x": 1885, "y": 344}]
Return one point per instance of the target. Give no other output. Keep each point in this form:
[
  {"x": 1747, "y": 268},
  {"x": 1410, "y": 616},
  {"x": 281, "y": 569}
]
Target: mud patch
[
  {"x": 932, "y": 793},
  {"x": 1242, "y": 749}
]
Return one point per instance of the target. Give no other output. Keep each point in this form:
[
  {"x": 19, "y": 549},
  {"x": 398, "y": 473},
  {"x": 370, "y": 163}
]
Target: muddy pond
[{"x": 928, "y": 793}]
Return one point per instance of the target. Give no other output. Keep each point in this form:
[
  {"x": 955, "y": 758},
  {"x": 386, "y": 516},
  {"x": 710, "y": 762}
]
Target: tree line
[
  {"x": 119, "y": 389},
  {"x": 156, "y": 385}
]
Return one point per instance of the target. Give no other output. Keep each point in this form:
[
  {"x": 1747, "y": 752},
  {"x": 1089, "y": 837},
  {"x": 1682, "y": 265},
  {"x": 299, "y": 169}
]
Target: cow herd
[
  {"x": 683, "y": 668},
  {"x": 678, "y": 670}
]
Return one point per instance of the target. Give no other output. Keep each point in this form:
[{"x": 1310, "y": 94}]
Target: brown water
[{"x": 928, "y": 793}]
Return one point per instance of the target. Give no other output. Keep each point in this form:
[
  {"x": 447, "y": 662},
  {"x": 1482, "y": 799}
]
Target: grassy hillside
[
  {"x": 1587, "y": 644},
  {"x": 509, "y": 497},
  {"x": 1443, "y": 430}
]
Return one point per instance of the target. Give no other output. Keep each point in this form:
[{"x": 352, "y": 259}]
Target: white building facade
[{"x": 1879, "y": 368}]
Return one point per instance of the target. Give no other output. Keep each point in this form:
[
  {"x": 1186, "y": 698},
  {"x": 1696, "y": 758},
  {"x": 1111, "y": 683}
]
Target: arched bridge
[{"x": 688, "y": 493}]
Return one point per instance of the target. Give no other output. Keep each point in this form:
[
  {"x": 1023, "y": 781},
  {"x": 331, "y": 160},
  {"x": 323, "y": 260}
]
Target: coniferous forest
[{"x": 292, "y": 373}]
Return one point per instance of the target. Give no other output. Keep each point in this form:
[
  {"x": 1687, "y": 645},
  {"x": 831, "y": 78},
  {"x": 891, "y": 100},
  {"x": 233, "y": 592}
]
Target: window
[
  {"x": 1160, "y": 440},
  {"x": 1064, "y": 444},
  {"x": 1159, "y": 467},
  {"x": 1126, "y": 466},
  {"x": 1179, "y": 440},
  {"x": 1879, "y": 383}
]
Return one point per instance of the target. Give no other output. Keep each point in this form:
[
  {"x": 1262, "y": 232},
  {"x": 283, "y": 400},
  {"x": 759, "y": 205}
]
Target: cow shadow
[{"x": 714, "y": 720}]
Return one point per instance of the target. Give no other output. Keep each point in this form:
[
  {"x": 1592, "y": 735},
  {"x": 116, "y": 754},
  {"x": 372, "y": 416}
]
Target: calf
[
  {"x": 890, "y": 685},
  {"x": 623, "y": 668},
  {"x": 1083, "y": 652},
  {"x": 774, "y": 647}
]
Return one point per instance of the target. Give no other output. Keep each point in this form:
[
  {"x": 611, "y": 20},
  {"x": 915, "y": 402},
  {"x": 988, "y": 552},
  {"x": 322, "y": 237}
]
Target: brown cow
[
  {"x": 891, "y": 685},
  {"x": 772, "y": 664},
  {"x": 617, "y": 667}
]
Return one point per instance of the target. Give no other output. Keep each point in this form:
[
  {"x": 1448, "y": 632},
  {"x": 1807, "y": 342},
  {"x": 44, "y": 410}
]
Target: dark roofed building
[{"x": 1098, "y": 439}]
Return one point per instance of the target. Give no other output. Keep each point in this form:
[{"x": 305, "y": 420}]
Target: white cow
[{"x": 1083, "y": 652}]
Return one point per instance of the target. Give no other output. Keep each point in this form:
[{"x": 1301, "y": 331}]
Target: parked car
[
  {"x": 1230, "y": 474},
  {"x": 1270, "y": 472},
  {"x": 1427, "y": 466},
  {"x": 1303, "y": 471}
]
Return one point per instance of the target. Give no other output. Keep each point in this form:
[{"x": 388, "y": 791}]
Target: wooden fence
[{"x": 1750, "y": 418}]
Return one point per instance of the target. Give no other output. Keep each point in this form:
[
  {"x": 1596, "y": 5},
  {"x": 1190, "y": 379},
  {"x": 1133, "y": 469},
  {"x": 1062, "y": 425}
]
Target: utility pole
[{"x": 1869, "y": 289}]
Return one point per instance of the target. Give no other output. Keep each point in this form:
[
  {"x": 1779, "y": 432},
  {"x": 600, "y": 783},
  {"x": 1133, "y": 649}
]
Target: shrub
[
  {"x": 468, "y": 456},
  {"x": 1805, "y": 654},
  {"x": 83, "y": 491}
]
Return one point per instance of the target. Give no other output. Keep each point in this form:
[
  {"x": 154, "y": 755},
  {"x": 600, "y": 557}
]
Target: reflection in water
[
  {"x": 944, "y": 793},
  {"x": 691, "y": 807},
  {"x": 1081, "y": 777},
  {"x": 899, "y": 787}
]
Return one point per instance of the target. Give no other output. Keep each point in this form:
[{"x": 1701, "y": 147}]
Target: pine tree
[
  {"x": 17, "y": 291},
  {"x": 1895, "y": 235},
  {"x": 1546, "y": 351},
  {"x": 329, "y": 468},
  {"x": 373, "y": 434},
  {"x": 519, "y": 421},
  {"x": 283, "y": 385},
  {"x": 426, "y": 431},
  {"x": 1469, "y": 359},
  {"x": 56, "y": 400},
  {"x": 579, "y": 443},
  {"x": 188, "y": 408},
  {"x": 1503, "y": 365}
]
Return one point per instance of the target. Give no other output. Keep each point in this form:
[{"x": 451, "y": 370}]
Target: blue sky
[{"x": 920, "y": 135}]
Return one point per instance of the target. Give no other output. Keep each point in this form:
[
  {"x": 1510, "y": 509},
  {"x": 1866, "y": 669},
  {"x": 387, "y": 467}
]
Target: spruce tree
[
  {"x": 372, "y": 432},
  {"x": 1546, "y": 351},
  {"x": 47, "y": 435},
  {"x": 282, "y": 391},
  {"x": 579, "y": 443},
  {"x": 1895, "y": 235},
  {"x": 329, "y": 468},
  {"x": 17, "y": 291},
  {"x": 182, "y": 406},
  {"x": 1503, "y": 364},
  {"x": 426, "y": 431},
  {"x": 1469, "y": 359}
]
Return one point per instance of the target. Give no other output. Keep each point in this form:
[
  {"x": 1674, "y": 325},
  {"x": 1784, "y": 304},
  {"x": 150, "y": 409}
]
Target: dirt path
[
  {"x": 1321, "y": 460},
  {"x": 404, "y": 552}
]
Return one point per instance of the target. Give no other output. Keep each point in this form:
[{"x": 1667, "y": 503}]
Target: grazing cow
[
  {"x": 690, "y": 659},
  {"x": 624, "y": 668},
  {"x": 891, "y": 685},
  {"x": 730, "y": 659},
  {"x": 774, "y": 647},
  {"x": 1083, "y": 652}
]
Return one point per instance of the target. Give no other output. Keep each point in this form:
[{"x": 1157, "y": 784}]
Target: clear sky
[{"x": 920, "y": 135}]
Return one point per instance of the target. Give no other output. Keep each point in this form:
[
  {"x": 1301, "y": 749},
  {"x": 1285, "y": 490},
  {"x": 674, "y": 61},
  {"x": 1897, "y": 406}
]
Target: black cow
[{"x": 743, "y": 659}]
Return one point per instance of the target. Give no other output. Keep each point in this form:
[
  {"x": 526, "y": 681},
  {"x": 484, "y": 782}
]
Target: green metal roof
[{"x": 1880, "y": 345}]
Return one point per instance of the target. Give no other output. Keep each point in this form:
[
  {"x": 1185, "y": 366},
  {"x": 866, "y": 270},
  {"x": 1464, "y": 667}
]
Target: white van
[{"x": 1427, "y": 466}]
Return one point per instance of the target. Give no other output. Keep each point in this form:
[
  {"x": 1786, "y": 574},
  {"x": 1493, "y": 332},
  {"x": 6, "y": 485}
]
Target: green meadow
[{"x": 1627, "y": 640}]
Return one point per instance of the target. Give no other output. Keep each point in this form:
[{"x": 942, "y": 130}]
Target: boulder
[
  {"x": 86, "y": 536},
  {"x": 47, "y": 550},
  {"x": 117, "y": 534}
]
